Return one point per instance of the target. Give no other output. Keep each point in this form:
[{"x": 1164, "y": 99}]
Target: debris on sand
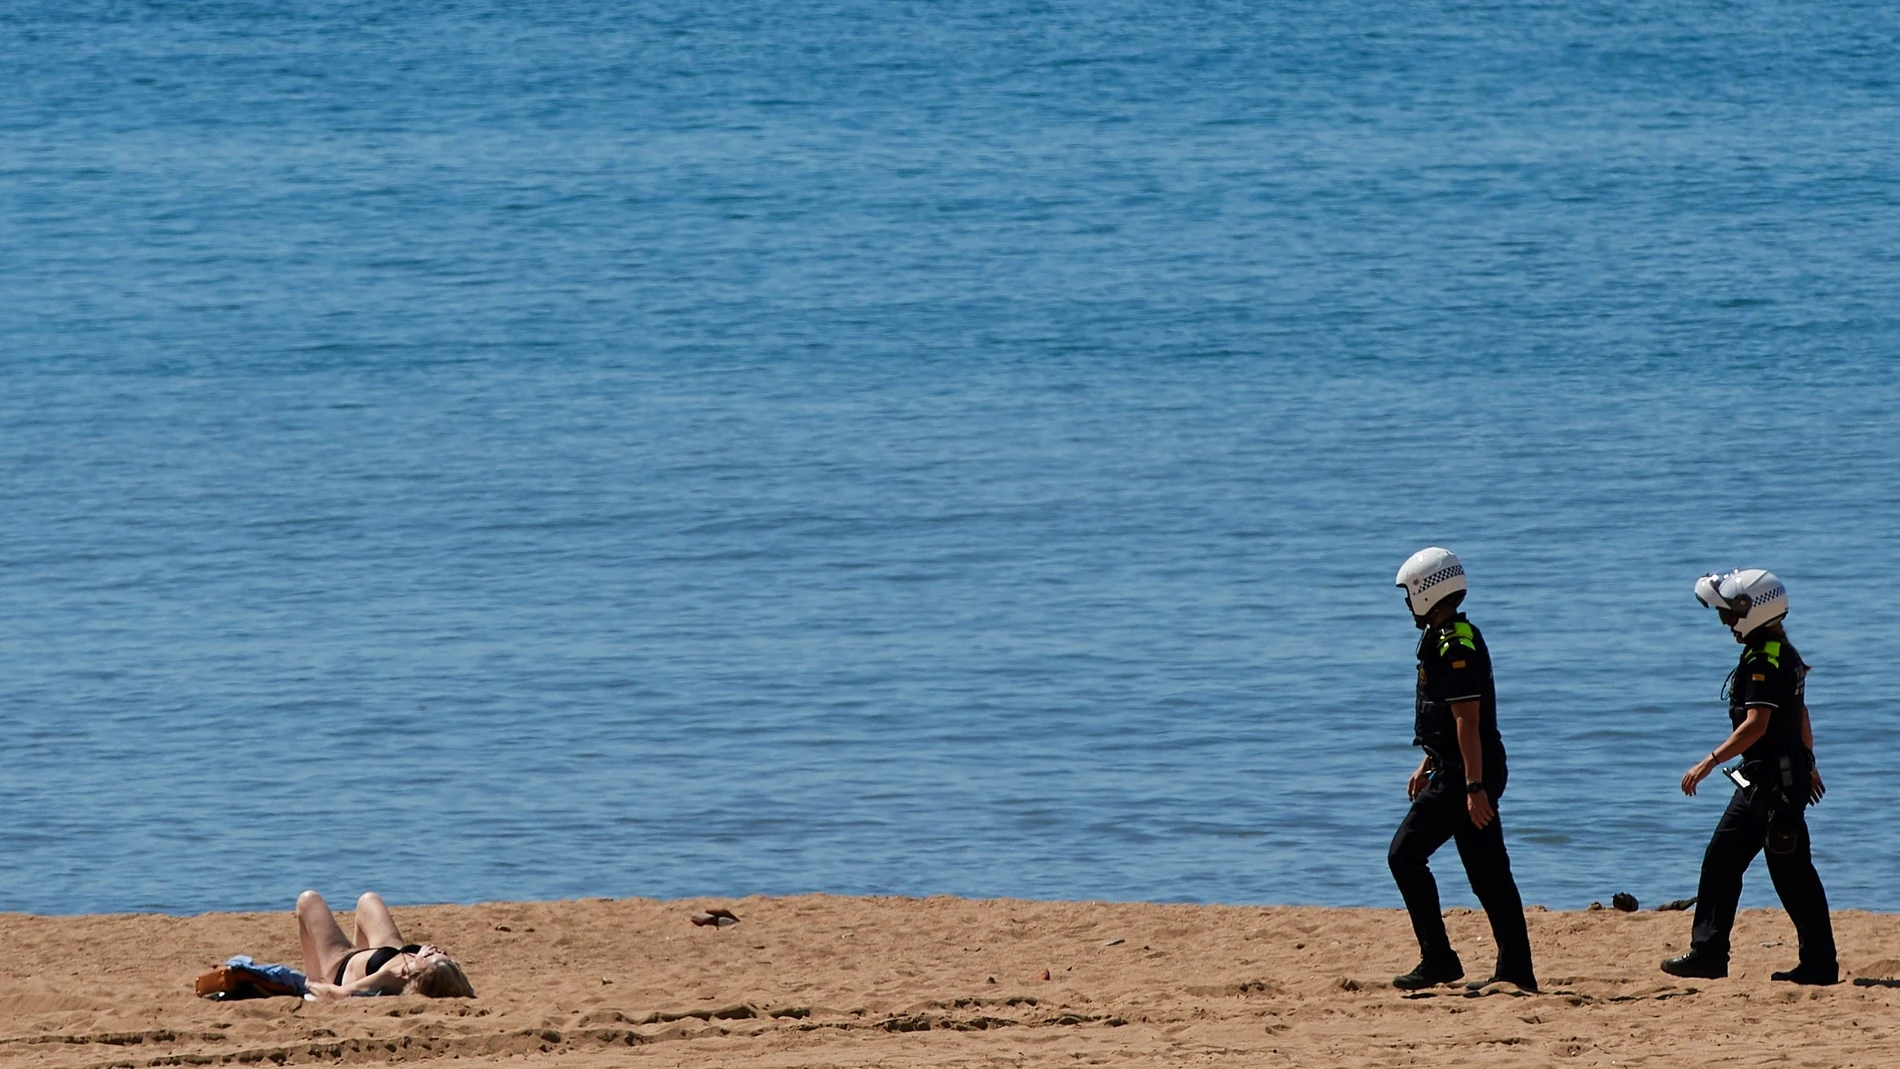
[{"x": 1882, "y": 973}]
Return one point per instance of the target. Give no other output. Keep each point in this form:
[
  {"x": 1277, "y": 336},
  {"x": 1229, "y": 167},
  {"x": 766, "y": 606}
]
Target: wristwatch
[{"x": 1474, "y": 788}]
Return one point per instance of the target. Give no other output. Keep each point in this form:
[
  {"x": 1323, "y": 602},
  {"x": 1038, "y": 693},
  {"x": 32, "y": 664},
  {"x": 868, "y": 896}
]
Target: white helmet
[
  {"x": 1747, "y": 598},
  {"x": 1429, "y": 577}
]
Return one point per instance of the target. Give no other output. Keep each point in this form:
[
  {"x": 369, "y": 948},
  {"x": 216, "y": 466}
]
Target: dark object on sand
[
  {"x": 1624, "y": 901},
  {"x": 1594, "y": 906},
  {"x": 719, "y": 918},
  {"x": 1882, "y": 973},
  {"x": 1676, "y": 905},
  {"x": 242, "y": 978}
]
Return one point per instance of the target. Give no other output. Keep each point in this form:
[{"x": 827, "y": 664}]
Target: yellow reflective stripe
[{"x": 1462, "y": 633}]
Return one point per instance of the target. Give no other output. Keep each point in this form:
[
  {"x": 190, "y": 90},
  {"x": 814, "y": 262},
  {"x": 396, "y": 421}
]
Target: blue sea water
[{"x": 490, "y": 451}]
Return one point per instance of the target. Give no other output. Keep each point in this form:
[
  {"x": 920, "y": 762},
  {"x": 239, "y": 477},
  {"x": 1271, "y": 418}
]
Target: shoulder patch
[
  {"x": 1461, "y": 664},
  {"x": 1460, "y": 634}
]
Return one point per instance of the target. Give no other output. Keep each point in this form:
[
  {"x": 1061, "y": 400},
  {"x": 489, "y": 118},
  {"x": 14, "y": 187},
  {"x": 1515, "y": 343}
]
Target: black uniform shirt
[
  {"x": 1455, "y": 666},
  {"x": 1771, "y": 675}
]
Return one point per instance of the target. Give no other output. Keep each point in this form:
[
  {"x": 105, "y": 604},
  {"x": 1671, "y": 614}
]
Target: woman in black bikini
[{"x": 377, "y": 962}]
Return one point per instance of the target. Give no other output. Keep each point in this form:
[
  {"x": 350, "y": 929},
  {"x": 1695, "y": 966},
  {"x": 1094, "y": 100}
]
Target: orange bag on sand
[
  {"x": 228, "y": 984},
  {"x": 218, "y": 981}
]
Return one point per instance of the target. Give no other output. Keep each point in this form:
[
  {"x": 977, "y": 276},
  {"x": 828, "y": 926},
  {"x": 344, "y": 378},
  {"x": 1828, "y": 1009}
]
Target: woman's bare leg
[
  {"x": 324, "y": 943},
  {"x": 374, "y": 926}
]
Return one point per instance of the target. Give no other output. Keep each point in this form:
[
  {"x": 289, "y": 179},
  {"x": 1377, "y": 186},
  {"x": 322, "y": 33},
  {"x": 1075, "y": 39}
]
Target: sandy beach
[{"x": 831, "y": 981}]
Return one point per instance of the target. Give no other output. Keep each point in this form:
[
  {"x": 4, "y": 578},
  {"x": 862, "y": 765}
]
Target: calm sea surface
[{"x": 486, "y": 450}]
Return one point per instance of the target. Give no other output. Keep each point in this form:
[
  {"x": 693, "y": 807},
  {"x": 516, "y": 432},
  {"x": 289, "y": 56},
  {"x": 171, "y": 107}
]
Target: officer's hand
[
  {"x": 1816, "y": 789},
  {"x": 1420, "y": 778},
  {"x": 1696, "y": 774},
  {"x": 1478, "y": 804}
]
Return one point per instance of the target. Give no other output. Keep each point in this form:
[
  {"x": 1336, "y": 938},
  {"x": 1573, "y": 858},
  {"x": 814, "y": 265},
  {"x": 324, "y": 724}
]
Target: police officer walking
[
  {"x": 1455, "y": 789},
  {"x": 1767, "y": 707}
]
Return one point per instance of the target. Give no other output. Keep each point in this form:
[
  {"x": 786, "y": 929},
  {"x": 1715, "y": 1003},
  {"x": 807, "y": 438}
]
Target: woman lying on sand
[{"x": 378, "y": 962}]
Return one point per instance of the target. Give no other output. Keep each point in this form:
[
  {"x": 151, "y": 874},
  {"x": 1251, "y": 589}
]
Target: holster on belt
[
  {"x": 1439, "y": 764},
  {"x": 1784, "y": 778}
]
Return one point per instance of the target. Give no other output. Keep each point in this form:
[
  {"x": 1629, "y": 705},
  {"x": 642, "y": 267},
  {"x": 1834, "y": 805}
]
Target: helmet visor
[{"x": 1708, "y": 591}]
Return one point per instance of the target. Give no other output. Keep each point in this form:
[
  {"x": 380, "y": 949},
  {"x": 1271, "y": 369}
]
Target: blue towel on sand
[{"x": 277, "y": 974}]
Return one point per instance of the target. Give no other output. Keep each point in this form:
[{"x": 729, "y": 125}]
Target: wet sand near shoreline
[{"x": 833, "y": 981}]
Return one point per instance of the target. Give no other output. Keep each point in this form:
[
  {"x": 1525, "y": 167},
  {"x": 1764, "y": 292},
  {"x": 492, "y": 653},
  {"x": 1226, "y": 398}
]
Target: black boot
[
  {"x": 1697, "y": 964},
  {"x": 1430, "y": 972},
  {"x": 1818, "y": 975}
]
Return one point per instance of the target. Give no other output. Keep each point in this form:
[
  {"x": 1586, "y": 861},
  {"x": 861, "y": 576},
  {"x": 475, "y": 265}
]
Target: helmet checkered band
[
  {"x": 1769, "y": 595},
  {"x": 1440, "y": 576}
]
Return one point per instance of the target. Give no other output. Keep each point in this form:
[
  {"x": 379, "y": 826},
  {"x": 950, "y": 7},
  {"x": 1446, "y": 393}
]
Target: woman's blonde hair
[{"x": 442, "y": 978}]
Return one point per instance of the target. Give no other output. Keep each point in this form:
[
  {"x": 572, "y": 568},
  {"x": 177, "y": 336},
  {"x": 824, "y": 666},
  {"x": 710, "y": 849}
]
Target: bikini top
[{"x": 378, "y": 957}]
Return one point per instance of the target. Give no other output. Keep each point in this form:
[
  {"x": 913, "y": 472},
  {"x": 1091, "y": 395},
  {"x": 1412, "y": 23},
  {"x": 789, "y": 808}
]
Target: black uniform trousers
[
  {"x": 1438, "y": 814},
  {"x": 1738, "y": 838}
]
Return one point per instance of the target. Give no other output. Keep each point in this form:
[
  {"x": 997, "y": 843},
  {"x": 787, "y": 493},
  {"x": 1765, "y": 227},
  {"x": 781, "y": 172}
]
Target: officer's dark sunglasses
[{"x": 1732, "y": 613}]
